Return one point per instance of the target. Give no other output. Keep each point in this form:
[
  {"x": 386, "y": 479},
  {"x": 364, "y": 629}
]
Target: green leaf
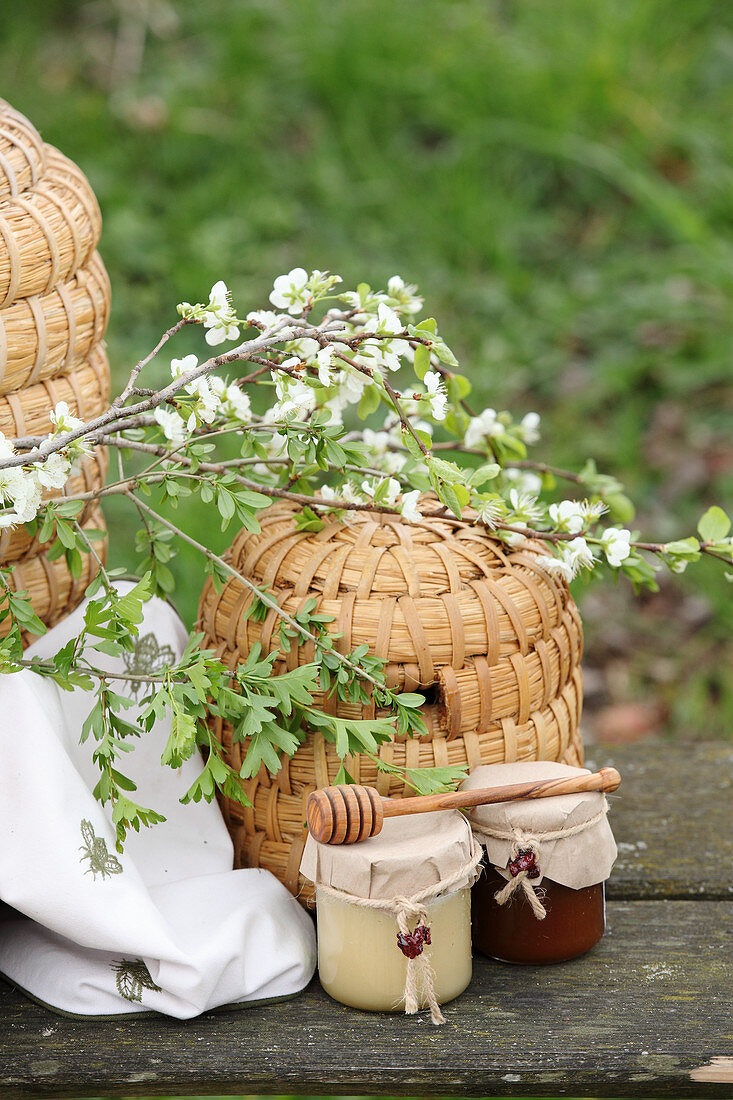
[
  {"x": 422, "y": 360},
  {"x": 410, "y": 699},
  {"x": 484, "y": 473},
  {"x": 370, "y": 401},
  {"x": 714, "y": 525},
  {"x": 435, "y": 780}
]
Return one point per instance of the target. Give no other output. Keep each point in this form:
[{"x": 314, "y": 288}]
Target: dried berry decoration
[
  {"x": 411, "y": 943},
  {"x": 524, "y": 861}
]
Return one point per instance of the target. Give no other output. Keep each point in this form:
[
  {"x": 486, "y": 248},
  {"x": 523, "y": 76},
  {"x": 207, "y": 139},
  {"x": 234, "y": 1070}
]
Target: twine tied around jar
[
  {"x": 413, "y": 910},
  {"x": 528, "y": 844}
]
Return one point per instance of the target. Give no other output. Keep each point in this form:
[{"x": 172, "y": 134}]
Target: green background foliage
[{"x": 557, "y": 180}]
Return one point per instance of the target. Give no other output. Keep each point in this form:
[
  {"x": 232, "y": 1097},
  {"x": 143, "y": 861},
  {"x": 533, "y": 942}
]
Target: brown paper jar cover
[
  {"x": 572, "y": 869},
  {"x": 410, "y": 854},
  {"x": 377, "y": 900}
]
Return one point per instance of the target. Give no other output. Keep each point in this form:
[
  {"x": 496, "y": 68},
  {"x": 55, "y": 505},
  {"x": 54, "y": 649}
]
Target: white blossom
[
  {"x": 527, "y": 481},
  {"x": 324, "y": 358},
  {"x": 568, "y": 515},
  {"x": 437, "y": 397},
  {"x": 579, "y": 553},
  {"x": 615, "y": 542},
  {"x": 377, "y": 442},
  {"x": 236, "y": 404},
  {"x": 62, "y": 419},
  {"x": 524, "y": 506},
  {"x": 172, "y": 424},
  {"x": 183, "y": 366},
  {"x": 219, "y": 317},
  {"x": 26, "y": 497},
  {"x": 513, "y": 538},
  {"x": 492, "y": 511},
  {"x": 384, "y": 353},
  {"x": 54, "y": 472},
  {"x": 305, "y": 348},
  {"x": 593, "y": 510},
  {"x": 404, "y": 294},
  {"x": 529, "y": 427},
  {"x": 556, "y": 565},
  {"x": 369, "y": 488},
  {"x": 295, "y": 399},
  {"x": 265, "y": 318},
  {"x": 393, "y": 461},
  {"x": 290, "y": 291},
  {"x": 408, "y": 508},
  {"x": 572, "y": 557},
  {"x": 207, "y": 402},
  {"x": 482, "y": 427}
]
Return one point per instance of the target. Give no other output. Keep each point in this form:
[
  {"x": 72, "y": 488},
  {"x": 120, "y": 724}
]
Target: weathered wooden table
[{"x": 649, "y": 1012}]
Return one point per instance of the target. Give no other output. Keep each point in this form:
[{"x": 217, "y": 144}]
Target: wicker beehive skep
[
  {"x": 48, "y": 232},
  {"x": 54, "y": 308},
  {"x": 492, "y": 640},
  {"x": 44, "y": 336},
  {"x": 22, "y": 153},
  {"x": 51, "y": 589}
]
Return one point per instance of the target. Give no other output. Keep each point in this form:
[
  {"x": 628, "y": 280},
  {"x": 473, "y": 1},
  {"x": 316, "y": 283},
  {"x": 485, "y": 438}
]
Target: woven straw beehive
[
  {"x": 22, "y": 153},
  {"x": 492, "y": 640},
  {"x": 54, "y": 308}
]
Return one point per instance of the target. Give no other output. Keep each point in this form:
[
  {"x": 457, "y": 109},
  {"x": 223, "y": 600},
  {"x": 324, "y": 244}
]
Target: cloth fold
[{"x": 167, "y": 925}]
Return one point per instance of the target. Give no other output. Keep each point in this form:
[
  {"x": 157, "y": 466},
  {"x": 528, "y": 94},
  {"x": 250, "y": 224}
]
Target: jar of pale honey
[
  {"x": 394, "y": 913},
  {"x": 541, "y": 895}
]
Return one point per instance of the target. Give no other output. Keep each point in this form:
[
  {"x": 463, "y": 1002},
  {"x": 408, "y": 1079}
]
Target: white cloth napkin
[{"x": 167, "y": 925}]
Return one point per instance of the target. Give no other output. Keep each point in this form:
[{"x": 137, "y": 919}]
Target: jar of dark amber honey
[{"x": 541, "y": 896}]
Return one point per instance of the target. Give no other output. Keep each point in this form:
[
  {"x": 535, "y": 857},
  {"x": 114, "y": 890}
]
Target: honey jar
[
  {"x": 541, "y": 895},
  {"x": 393, "y": 912}
]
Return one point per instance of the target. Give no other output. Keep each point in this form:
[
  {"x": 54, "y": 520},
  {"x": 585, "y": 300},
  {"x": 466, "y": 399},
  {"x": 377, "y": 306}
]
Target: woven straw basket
[
  {"x": 492, "y": 640},
  {"x": 52, "y": 591},
  {"x": 22, "y": 154},
  {"x": 41, "y": 337},
  {"x": 85, "y": 390},
  {"x": 48, "y": 232},
  {"x": 19, "y": 542}
]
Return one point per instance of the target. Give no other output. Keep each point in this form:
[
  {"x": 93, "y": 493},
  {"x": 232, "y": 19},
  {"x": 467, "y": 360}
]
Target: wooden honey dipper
[{"x": 344, "y": 815}]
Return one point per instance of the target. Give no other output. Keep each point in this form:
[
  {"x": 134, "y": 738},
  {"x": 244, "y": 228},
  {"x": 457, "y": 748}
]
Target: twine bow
[
  {"x": 528, "y": 845},
  {"x": 409, "y": 911},
  {"x": 523, "y": 843}
]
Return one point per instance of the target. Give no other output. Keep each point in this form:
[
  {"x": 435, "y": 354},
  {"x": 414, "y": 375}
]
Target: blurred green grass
[{"x": 557, "y": 181}]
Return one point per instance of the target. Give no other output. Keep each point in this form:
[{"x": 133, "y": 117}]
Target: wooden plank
[
  {"x": 672, "y": 818},
  {"x": 649, "y": 1012}
]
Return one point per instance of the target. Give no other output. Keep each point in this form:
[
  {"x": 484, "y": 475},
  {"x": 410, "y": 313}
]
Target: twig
[{"x": 264, "y": 597}]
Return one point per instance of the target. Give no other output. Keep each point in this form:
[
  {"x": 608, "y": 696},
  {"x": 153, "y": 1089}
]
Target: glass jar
[
  {"x": 361, "y": 964},
  {"x": 575, "y": 921},
  {"x": 394, "y": 913},
  {"x": 541, "y": 894}
]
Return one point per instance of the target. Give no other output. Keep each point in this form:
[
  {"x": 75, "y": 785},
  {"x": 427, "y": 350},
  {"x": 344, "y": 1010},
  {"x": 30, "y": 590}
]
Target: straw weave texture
[
  {"x": 22, "y": 154},
  {"x": 85, "y": 390},
  {"x": 492, "y": 640},
  {"x": 43, "y": 336},
  {"x": 52, "y": 591},
  {"x": 48, "y": 232}
]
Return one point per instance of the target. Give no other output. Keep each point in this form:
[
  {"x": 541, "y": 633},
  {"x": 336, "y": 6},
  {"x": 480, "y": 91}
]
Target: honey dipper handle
[
  {"x": 607, "y": 779},
  {"x": 347, "y": 814}
]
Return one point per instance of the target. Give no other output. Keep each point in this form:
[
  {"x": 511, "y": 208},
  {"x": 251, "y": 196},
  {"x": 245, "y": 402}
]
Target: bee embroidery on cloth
[
  {"x": 94, "y": 849},
  {"x": 147, "y": 657},
  {"x": 131, "y": 977}
]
